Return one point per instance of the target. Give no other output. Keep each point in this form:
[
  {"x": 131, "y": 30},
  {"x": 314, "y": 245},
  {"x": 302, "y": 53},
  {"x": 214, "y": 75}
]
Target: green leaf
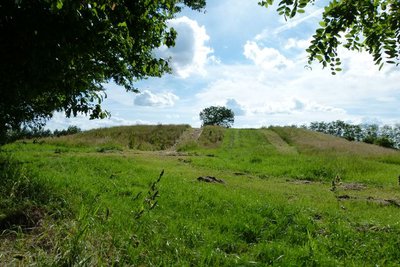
[
  {"x": 122, "y": 24},
  {"x": 59, "y": 4}
]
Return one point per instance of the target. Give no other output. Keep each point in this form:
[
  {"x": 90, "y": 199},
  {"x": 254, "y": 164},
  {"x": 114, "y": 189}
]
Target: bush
[{"x": 384, "y": 141}]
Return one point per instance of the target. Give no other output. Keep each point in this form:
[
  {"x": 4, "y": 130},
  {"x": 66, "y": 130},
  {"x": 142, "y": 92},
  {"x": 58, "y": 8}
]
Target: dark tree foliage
[
  {"x": 56, "y": 54},
  {"x": 216, "y": 115},
  {"x": 70, "y": 130},
  {"x": 385, "y": 142},
  {"x": 364, "y": 24},
  {"x": 386, "y": 136}
]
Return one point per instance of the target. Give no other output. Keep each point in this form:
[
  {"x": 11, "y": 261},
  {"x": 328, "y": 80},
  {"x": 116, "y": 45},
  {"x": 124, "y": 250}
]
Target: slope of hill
[
  {"x": 308, "y": 142},
  {"x": 141, "y": 137},
  {"x": 286, "y": 197},
  {"x": 286, "y": 140}
]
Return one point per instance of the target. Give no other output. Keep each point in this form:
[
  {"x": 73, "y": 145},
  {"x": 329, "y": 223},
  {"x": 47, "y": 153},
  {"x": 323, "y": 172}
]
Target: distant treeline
[
  {"x": 39, "y": 132},
  {"x": 386, "y": 135}
]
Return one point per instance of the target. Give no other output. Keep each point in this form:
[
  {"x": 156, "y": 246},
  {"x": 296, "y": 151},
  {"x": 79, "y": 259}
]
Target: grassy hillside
[
  {"x": 140, "y": 137},
  {"x": 290, "y": 197},
  {"x": 314, "y": 142}
]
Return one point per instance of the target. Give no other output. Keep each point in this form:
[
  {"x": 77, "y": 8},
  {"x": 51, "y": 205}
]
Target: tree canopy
[
  {"x": 357, "y": 25},
  {"x": 56, "y": 54},
  {"x": 216, "y": 115}
]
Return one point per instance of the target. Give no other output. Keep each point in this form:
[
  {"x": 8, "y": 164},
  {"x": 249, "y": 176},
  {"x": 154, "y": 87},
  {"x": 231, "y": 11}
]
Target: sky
[{"x": 246, "y": 57}]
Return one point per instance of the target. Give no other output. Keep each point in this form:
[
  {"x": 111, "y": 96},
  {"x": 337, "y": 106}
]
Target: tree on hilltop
[
  {"x": 56, "y": 54},
  {"x": 216, "y": 115}
]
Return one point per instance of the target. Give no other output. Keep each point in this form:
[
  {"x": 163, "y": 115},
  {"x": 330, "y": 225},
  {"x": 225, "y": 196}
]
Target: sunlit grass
[{"x": 278, "y": 204}]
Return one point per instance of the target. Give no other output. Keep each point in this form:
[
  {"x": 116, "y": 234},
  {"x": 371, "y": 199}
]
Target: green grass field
[{"x": 290, "y": 197}]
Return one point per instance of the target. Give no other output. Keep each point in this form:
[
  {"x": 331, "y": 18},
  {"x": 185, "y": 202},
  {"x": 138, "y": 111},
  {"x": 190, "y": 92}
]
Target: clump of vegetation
[
  {"x": 22, "y": 195},
  {"x": 30, "y": 210}
]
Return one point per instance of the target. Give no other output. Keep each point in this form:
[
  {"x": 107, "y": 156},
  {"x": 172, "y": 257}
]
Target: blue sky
[{"x": 246, "y": 57}]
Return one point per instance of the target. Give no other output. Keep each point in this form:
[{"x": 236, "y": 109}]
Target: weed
[
  {"x": 149, "y": 201},
  {"x": 73, "y": 253}
]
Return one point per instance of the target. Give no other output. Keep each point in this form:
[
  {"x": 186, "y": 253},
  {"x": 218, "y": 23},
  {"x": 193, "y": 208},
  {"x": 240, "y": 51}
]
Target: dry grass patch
[
  {"x": 211, "y": 136},
  {"x": 139, "y": 137}
]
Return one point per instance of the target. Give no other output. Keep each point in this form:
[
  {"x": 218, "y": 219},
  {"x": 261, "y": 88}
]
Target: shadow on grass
[{"x": 24, "y": 199}]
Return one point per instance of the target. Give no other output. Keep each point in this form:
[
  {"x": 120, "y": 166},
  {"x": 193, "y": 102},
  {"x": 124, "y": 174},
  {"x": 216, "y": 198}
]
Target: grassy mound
[
  {"x": 140, "y": 137},
  {"x": 289, "y": 198},
  {"x": 314, "y": 142}
]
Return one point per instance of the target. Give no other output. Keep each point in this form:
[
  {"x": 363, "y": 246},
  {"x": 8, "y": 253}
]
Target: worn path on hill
[
  {"x": 281, "y": 145},
  {"x": 191, "y": 134}
]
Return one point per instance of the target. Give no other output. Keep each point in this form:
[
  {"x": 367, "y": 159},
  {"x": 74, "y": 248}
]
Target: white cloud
[
  {"x": 190, "y": 53},
  {"x": 236, "y": 107},
  {"x": 59, "y": 121},
  {"x": 268, "y": 58},
  {"x": 297, "y": 44},
  {"x": 293, "y": 105},
  {"x": 147, "y": 98},
  {"x": 315, "y": 107}
]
